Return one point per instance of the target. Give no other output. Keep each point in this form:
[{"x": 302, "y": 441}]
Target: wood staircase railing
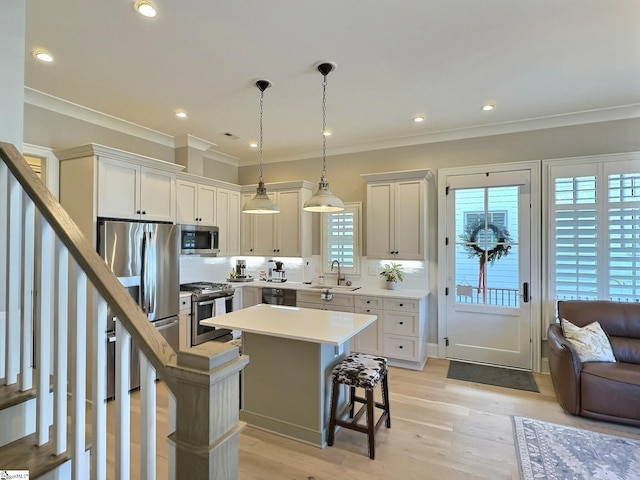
[{"x": 70, "y": 287}]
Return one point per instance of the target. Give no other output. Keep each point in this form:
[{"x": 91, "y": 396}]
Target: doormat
[
  {"x": 550, "y": 451},
  {"x": 500, "y": 377}
]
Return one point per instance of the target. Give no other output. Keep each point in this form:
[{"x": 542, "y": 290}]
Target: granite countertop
[
  {"x": 305, "y": 324},
  {"x": 363, "y": 291}
]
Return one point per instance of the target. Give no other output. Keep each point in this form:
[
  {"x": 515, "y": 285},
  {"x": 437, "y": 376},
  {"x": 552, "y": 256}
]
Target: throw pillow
[{"x": 590, "y": 342}]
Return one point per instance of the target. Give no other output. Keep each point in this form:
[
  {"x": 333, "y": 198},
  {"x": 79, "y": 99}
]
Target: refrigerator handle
[
  {"x": 143, "y": 275},
  {"x": 152, "y": 261}
]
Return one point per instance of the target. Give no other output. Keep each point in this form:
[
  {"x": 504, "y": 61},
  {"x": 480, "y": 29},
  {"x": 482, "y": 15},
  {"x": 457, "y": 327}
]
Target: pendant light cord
[
  {"x": 324, "y": 126},
  {"x": 261, "y": 113}
]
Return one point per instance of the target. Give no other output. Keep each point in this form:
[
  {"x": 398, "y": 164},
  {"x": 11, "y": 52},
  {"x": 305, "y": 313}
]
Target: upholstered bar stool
[{"x": 359, "y": 370}]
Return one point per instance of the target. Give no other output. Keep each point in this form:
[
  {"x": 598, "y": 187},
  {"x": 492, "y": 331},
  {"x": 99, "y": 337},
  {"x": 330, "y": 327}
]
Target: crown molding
[
  {"x": 622, "y": 112},
  {"x": 193, "y": 142},
  {"x": 221, "y": 157},
  {"x": 73, "y": 110}
]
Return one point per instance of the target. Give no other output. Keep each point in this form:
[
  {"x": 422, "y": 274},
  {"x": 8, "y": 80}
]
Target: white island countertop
[{"x": 305, "y": 324}]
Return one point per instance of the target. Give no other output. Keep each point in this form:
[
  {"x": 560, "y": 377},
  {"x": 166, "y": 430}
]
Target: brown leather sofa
[{"x": 606, "y": 391}]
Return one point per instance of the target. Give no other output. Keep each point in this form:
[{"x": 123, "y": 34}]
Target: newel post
[{"x": 206, "y": 386}]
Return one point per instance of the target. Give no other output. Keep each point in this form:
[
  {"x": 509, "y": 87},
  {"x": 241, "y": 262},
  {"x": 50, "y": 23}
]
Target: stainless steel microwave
[{"x": 199, "y": 240}]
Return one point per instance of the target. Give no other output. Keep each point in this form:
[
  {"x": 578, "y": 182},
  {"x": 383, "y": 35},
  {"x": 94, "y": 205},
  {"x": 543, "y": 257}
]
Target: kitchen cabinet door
[
  {"x": 186, "y": 202},
  {"x": 157, "y": 195},
  {"x": 228, "y": 220},
  {"x": 287, "y": 231},
  {"x": 118, "y": 189},
  {"x": 396, "y": 218},
  {"x": 127, "y": 190},
  {"x": 195, "y": 204},
  {"x": 247, "y": 228}
]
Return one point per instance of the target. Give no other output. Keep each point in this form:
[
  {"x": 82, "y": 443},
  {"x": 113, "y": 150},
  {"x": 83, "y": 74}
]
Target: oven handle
[{"x": 207, "y": 302}]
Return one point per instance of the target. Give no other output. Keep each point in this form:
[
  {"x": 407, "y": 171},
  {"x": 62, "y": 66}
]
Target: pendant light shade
[
  {"x": 261, "y": 203},
  {"x": 324, "y": 201}
]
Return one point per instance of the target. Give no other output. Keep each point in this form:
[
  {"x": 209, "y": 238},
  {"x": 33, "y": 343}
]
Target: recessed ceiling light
[
  {"x": 418, "y": 118},
  {"x": 488, "y": 107},
  {"x": 144, "y": 7},
  {"x": 253, "y": 145},
  {"x": 43, "y": 55},
  {"x": 181, "y": 114}
]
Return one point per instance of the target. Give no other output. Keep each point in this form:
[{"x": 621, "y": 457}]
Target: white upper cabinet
[
  {"x": 228, "y": 216},
  {"x": 397, "y": 215},
  {"x": 127, "y": 190},
  {"x": 284, "y": 234},
  {"x": 196, "y": 203}
]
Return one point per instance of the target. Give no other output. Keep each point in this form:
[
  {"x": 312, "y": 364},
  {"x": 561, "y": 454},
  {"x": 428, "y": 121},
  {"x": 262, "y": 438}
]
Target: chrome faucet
[{"x": 340, "y": 278}]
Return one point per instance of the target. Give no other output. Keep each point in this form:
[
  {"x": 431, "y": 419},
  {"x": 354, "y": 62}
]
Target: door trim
[{"x": 535, "y": 170}]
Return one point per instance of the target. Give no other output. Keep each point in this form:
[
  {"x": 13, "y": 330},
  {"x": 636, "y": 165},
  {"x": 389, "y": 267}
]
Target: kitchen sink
[{"x": 335, "y": 288}]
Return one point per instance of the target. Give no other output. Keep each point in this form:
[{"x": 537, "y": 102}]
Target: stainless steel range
[{"x": 208, "y": 300}]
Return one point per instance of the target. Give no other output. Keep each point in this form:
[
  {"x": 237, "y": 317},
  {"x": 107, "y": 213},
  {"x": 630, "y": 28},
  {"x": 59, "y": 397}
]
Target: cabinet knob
[
  {"x": 402, "y": 304},
  {"x": 368, "y": 301},
  {"x": 144, "y": 212},
  {"x": 401, "y": 323},
  {"x": 368, "y": 310},
  {"x": 138, "y": 212},
  {"x": 400, "y": 347},
  {"x": 251, "y": 249}
]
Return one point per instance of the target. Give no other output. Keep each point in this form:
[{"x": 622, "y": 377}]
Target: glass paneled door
[{"x": 488, "y": 269}]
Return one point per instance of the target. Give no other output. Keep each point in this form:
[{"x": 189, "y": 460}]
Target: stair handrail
[{"x": 152, "y": 344}]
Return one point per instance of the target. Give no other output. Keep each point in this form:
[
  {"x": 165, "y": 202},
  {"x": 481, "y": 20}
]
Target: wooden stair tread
[
  {"x": 11, "y": 395},
  {"x": 23, "y": 454}
]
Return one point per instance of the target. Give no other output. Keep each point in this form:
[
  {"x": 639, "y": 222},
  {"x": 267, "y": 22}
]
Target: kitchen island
[{"x": 286, "y": 386}]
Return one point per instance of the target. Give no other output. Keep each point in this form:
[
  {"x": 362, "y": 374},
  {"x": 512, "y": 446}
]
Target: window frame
[{"x": 600, "y": 166}]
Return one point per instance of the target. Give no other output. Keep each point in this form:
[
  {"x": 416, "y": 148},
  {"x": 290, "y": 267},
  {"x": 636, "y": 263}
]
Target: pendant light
[
  {"x": 324, "y": 201},
  {"x": 261, "y": 203}
]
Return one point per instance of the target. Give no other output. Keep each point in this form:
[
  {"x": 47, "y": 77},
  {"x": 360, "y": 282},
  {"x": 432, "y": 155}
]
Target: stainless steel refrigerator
[{"x": 146, "y": 259}]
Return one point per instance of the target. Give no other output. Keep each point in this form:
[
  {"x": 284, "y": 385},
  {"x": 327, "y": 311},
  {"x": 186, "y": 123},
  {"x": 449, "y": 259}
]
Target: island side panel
[{"x": 286, "y": 386}]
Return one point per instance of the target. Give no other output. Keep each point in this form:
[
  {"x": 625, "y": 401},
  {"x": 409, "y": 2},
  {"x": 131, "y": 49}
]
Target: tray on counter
[{"x": 240, "y": 279}]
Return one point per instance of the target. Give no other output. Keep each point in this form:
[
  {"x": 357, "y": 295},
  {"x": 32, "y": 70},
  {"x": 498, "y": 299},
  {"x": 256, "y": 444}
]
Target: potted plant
[{"x": 392, "y": 273}]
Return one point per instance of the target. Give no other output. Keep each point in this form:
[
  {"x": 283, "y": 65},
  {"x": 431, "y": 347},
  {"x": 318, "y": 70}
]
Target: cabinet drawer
[
  {"x": 368, "y": 302},
  {"x": 325, "y": 306},
  {"x": 405, "y": 348},
  {"x": 400, "y": 304},
  {"x": 185, "y": 304},
  {"x": 314, "y": 297},
  {"x": 401, "y": 323},
  {"x": 372, "y": 311}
]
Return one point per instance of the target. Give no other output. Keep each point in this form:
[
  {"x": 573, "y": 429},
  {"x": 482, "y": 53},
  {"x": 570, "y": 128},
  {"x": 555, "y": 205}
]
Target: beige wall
[{"x": 344, "y": 171}]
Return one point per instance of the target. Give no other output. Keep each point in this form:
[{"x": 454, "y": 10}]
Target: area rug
[
  {"x": 549, "y": 451},
  {"x": 500, "y": 377}
]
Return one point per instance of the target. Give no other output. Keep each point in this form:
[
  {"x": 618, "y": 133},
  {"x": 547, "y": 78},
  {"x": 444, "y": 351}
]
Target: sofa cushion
[
  {"x": 590, "y": 342},
  {"x": 610, "y": 389},
  {"x": 626, "y": 350}
]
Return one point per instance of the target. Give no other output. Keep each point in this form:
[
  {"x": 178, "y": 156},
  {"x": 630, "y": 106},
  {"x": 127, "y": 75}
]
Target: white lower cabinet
[
  {"x": 251, "y": 296},
  {"x": 399, "y": 334},
  {"x": 184, "y": 321},
  {"x": 370, "y": 339},
  {"x": 404, "y": 331}
]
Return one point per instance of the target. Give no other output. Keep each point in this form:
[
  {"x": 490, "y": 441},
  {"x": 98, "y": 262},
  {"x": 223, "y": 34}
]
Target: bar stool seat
[{"x": 360, "y": 370}]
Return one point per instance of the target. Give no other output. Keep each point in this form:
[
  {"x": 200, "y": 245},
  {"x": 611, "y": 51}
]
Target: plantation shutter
[
  {"x": 340, "y": 239},
  {"x": 595, "y": 241}
]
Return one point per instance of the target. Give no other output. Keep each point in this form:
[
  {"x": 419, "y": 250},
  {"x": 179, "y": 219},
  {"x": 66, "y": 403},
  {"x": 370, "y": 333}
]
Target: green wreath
[{"x": 470, "y": 239}]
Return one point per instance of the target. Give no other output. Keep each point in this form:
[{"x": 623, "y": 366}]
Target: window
[
  {"x": 341, "y": 239},
  {"x": 595, "y": 230}
]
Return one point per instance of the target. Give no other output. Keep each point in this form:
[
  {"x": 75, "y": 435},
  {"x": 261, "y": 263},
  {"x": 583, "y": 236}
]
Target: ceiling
[{"x": 541, "y": 62}]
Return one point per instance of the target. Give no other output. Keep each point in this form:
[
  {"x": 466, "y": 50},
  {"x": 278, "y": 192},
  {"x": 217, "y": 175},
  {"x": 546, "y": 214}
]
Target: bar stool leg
[
  {"x": 371, "y": 424},
  {"x": 385, "y": 399},
  {"x": 352, "y": 401},
  {"x": 335, "y": 393}
]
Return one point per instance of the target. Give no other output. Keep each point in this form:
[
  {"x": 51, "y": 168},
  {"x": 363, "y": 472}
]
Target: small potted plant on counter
[{"x": 392, "y": 273}]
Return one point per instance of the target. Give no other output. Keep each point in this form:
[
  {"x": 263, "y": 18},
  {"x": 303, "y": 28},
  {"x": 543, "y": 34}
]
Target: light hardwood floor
[{"x": 440, "y": 429}]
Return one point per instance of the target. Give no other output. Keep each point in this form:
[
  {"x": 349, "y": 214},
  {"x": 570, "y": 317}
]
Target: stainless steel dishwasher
[{"x": 279, "y": 296}]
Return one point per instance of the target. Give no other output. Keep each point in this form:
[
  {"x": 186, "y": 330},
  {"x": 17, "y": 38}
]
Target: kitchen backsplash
[{"x": 194, "y": 268}]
